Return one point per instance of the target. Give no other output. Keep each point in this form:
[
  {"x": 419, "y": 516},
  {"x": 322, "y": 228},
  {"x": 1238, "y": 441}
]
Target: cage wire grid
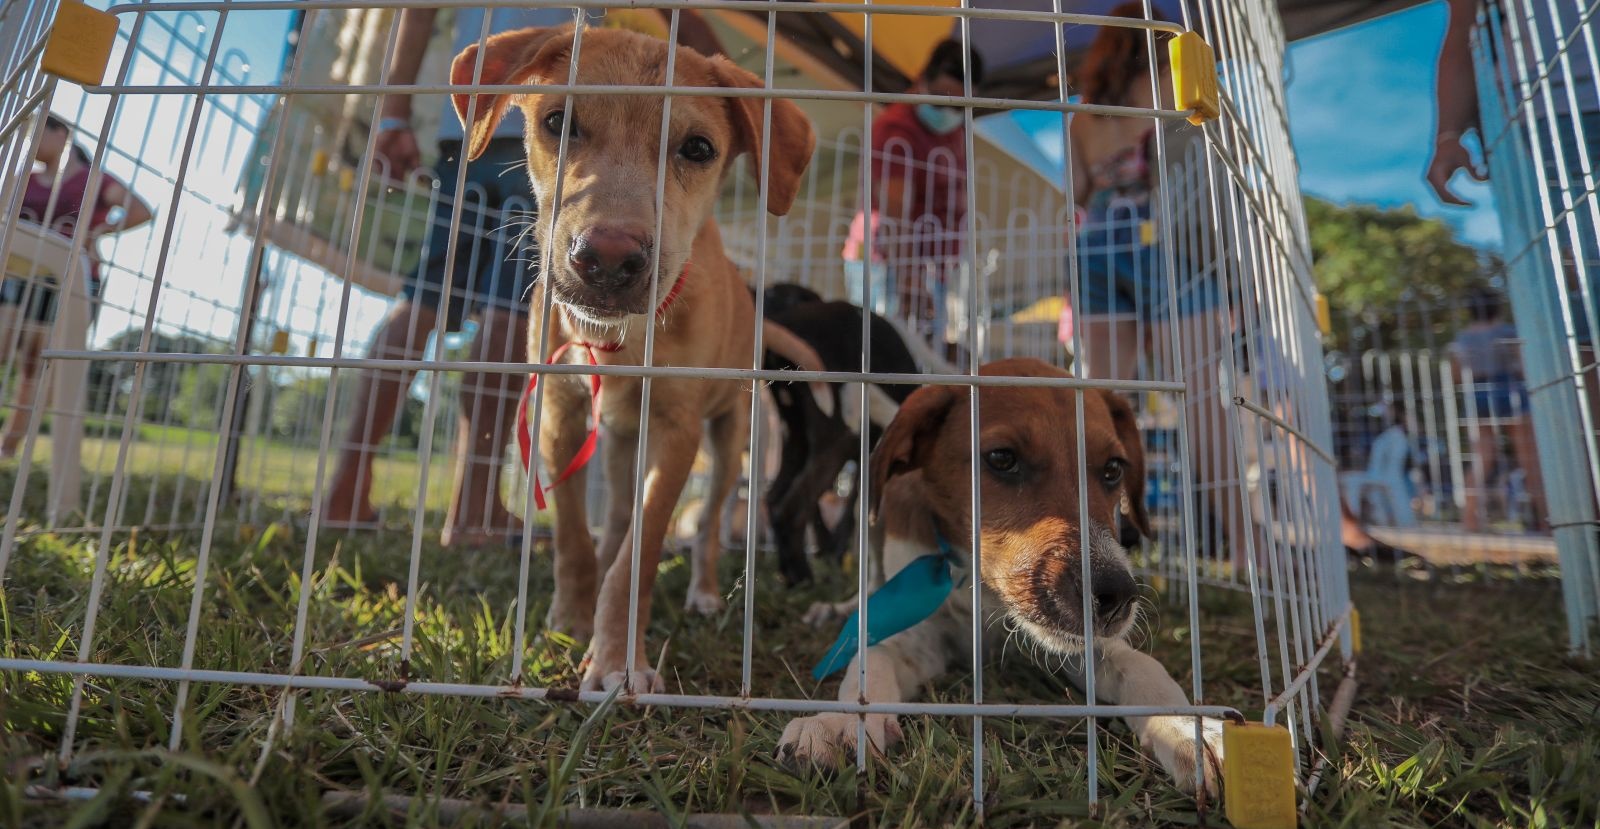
[
  {"x": 1226, "y": 197},
  {"x": 1536, "y": 86}
]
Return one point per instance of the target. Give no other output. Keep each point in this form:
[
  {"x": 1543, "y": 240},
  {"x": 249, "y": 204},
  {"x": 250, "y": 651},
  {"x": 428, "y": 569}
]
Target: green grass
[
  {"x": 280, "y": 472},
  {"x": 1469, "y": 713}
]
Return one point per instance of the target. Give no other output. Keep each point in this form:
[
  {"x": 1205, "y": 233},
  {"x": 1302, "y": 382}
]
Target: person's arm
[
  {"x": 135, "y": 211},
  {"x": 398, "y": 144},
  {"x": 694, "y": 32},
  {"x": 1080, "y": 171},
  {"x": 1456, "y": 98}
]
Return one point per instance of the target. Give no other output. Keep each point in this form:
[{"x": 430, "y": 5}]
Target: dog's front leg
[
  {"x": 1125, "y": 676},
  {"x": 666, "y": 472},
  {"x": 561, "y": 435},
  {"x": 895, "y": 670}
]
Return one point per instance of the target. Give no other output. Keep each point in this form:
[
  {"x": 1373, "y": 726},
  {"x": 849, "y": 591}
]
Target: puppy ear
[
  {"x": 508, "y": 58},
  {"x": 906, "y": 443},
  {"x": 1128, "y": 434},
  {"x": 792, "y": 138}
]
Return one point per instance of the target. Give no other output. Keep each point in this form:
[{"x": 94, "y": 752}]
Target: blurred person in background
[
  {"x": 1487, "y": 367},
  {"x": 1565, "y": 125},
  {"x": 489, "y": 278},
  {"x": 1123, "y": 302},
  {"x": 54, "y": 197},
  {"x": 917, "y": 200}
]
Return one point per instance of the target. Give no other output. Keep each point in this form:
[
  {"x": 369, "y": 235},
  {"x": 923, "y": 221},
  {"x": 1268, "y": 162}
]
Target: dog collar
[
  {"x": 914, "y": 594},
  {"x": 592, "y": 439}
]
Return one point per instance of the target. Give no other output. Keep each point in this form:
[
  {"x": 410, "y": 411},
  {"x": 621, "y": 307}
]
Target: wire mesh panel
[
  {"x": 1434, "y": 437},
  {"x": 619, "y": 258},
  {"x": 1538, "y": 101}
]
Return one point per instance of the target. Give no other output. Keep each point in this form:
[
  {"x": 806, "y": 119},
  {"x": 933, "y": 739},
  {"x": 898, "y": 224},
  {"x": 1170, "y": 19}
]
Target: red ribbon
[{"x": 592, "y": 439}]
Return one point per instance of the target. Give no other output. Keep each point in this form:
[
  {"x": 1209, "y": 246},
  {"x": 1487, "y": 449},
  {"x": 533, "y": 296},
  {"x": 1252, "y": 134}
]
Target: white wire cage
[
  {"x": 220, "y": 366},
  {"x": 1538, "y": 102}
]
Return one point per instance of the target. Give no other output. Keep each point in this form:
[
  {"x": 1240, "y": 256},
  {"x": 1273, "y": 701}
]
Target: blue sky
[{"x": 1361, "y": 116}]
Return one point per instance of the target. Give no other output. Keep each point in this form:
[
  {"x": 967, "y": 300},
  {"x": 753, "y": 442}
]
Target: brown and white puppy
[
  {"x": 1032, "y": 555},
  {"x": 602, "y": 249}
]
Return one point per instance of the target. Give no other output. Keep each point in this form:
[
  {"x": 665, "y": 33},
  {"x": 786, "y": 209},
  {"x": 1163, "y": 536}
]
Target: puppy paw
[
  {"x": 641, "y": 681},
  {"x": 571, "y": 620},
  {"x": 827, "y": 740},
  {"x": 824, "y": 614},
  {"x": 1171, "y": 741},
  {"x": 704, "y": 602}
]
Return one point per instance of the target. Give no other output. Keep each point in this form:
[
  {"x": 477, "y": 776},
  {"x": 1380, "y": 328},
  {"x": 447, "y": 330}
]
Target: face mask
[{"x": 939, "y": 120}]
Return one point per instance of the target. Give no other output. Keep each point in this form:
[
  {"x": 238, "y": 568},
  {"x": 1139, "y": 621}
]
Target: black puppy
[{"x": 817, "y": 444}]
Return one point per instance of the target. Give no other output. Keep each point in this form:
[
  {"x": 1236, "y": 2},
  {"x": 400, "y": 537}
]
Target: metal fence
[
  {"x": 225, "y": 358},
  {"x": 1536, "y": 86}
]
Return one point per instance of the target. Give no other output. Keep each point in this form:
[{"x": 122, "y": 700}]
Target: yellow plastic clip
[
  {"x": 311, "y": 349},
  {"x": 1258, "y": 776},
  {"x": 1147, "y": 233},
  {"x": 319, "y": 163},
  {"x": 80, "y": 43},
  {"x": 1194, "y": 77},
  {"x": 1355, "y": 630},
  {"x": 248, "y": 533},
  {"x": 1158, "y": 583},
  {"x": 1324, "y": 316},
  {"x": 280, "y": 342},
  {"x": 347, "y": 180}
]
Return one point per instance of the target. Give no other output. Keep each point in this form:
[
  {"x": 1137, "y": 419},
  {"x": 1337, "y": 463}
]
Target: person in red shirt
[
  {"x": 55, "y": 197},
  {"x": 918, "y": 199}
]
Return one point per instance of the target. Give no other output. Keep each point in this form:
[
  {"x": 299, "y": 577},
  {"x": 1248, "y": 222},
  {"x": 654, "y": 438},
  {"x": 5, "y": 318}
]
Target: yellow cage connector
[
  {"x": 1258, "y": 776},
  {"x": 1194, "y": 77},
  {"x": 80, "y": 43}
]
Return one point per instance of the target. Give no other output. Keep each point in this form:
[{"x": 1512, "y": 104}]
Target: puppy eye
[
  {"x": 1003, "y": 461},
  {"x": 1112, "y": 473},
  {"x": 697, "y": 149},
  {"x": 553, "y": 121}
]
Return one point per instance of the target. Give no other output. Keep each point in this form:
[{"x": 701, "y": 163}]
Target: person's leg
[
  {"x": 28, "y": 347},
  {"x": 486, "y": 424},
  {"x": 402, "y": 336},
  {"x": 1110, "y": 346},
  {"x": 1485, "y": 449},
  {"x": 492, "y": 278},
  {"x": 1203, "y": 336},
  {"x": 1527, "y": 454}
]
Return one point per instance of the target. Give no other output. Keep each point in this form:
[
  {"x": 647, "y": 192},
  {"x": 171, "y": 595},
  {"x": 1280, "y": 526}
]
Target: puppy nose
[
  {"x": 609, "y": 256},
  {"x": 1113, "y": 590}
]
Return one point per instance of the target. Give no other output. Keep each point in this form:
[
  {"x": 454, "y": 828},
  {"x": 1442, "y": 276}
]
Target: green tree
[
  {"x": 111, "y": 381},
  {"x": 1393, "y": 279},
  {"x": 298, "y": 406}
]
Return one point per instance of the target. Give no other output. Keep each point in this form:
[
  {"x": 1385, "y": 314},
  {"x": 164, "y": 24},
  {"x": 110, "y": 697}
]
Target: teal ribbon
[{"x": 914, "y": 594}]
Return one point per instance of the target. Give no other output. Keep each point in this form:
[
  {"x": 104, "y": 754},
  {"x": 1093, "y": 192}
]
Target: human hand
[
  {"x": 398, "y": 147},
  {"x": 1448, "y": 157}
]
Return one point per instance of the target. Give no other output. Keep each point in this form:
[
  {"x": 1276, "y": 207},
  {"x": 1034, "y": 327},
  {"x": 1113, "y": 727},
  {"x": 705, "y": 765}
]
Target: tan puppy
[
  {"x": 1032, "y": 555},
  {"x": 601, "y": 255}
]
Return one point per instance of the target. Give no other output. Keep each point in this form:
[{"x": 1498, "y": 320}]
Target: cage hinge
[
  {"x": 79, "y": 46},
  {"x": 1258, "y": 776},
  {"x": 1194, "y": 77}
]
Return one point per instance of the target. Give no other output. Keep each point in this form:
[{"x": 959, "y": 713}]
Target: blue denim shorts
[
  {"x": 1122, "y": 273},
  {"x": 489, "y": 269}
]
